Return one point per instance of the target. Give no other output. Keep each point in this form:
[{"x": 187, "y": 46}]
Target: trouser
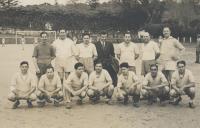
[
  {"x": 43, "y": 68},
  {"x": 108, "y": 92},
  {"x": 161, "y": 93},
  {"x": 197, "y": 56},
  {"x": 43, "y": 96},
  {"x": 112, "y": 73}
]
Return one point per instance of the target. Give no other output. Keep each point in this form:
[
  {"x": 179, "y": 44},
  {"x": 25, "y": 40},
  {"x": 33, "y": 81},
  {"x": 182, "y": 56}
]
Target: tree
[
  {"x": 93, "y": 3},
  {"x": 8, "y": 3}
]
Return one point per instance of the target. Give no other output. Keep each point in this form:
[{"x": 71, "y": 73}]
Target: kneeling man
[
  {"x": 155, "y": 85},
  {"x": 23, "y": 85},
  {"x": 100, "y": 84},
  {"x": 128, "y": 85},
  {"x": 76, "y": 84},
  {"x": 182, "y": 83},
  {"x": 49, "y": 87}
]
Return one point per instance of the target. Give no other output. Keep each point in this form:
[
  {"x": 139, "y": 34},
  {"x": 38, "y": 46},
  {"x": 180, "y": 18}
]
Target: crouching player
[
  {"x": 155, "y": 86},
  {"x": 100, "y": 84},
  {"x": 76, "y": 85},
  {"x": 49, "y": 87},
  {"x": 23, "y": 85},
  {"x": 182, "y": 83},
  {"x": 128, "y": 85}
]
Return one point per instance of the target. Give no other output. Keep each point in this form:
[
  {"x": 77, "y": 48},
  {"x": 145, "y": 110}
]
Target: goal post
[{"x": 31, "y": 36}]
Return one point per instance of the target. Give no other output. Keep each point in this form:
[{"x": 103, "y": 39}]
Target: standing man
[
  {"x": 23, "y": 85},
  {"x": 76, "y": 85},
  {"x": 198, "y": 49},
  {"x": 23, "y": 42},
  {"x": 150, "y": 53},
  {"x": 3, "y": 41},
  {"x": 49, "y": 87},
  {"x": 128, "y": 52},
  {"x": 128, "y": 85},
  {"x": 106, "y": 56},
  {"x": 155, "y": 85},
  {"x": 65, "y": 55},
  {"x": 183, "y": 84},
  {"x": 87, "y": 53},
  {"x": 100, "y": 84},
  {"x": 43, "y": 54},
  {"x": 169, "y": 53}
]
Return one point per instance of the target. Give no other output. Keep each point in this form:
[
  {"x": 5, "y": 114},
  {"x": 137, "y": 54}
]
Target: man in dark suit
[{"x": 106, "y": 56}]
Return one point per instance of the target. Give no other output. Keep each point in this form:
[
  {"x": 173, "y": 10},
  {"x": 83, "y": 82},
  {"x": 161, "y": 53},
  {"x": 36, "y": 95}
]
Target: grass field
[{"x": 87, "y": 115}]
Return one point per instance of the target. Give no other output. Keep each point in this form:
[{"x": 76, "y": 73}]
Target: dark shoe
[
  {"x": 56, "y": 103},
  {"x": 191, "y": 105},
  {"x": 48, "y": 100},
  {"x": 41, "y": 103},
  {"x": 197, "y": 62},
  {"x": 68, "y": 105},
  {"x": 30, "y": 105},
  {"x": 109, "y": 102},
  {"x": 136, "y": 104},
  {"x": 16, "y": 104},
  {"x": 94, "y": 100},
  {"x": 125, "y": 100},
  {"x": 176, "y": 102},
  {"x": 79, "y": 102}
]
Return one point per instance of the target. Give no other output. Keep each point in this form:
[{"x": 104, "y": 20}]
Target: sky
[{"x": 33, "y": 2}]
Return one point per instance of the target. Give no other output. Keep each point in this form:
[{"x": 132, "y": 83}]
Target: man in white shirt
[
  {"x": 49, "y": 87},
  {"x": 100, "y": 84},
  {"x": 183, "y": 83},
  {"x": 155, "y": 85},
  {"x": 150, "y": 53},
  {"x": 170, "y": 49},
  {"x": 128, "y": 52},
  {"x": 87, "y": 53},
  {"x": 65, "y": 55},
  {"x": 128, "y": 85},
  {"x": 76, "y": 85},
  {"x": 23, "y": 85}
]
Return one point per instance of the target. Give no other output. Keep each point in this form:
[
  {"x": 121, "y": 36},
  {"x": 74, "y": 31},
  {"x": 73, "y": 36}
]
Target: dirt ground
[{"x": 87, "y": 115}]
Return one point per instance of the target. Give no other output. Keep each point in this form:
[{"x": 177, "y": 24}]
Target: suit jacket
[{"x": 106, "y": 55}]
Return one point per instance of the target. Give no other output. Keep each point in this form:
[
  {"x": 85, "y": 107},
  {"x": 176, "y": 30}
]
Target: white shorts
[
  {"x": 167, "y": 65},
  {"x": 65, "y": 65}
]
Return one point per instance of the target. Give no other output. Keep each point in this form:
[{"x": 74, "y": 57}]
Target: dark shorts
[{"x": 43, "y": 68}]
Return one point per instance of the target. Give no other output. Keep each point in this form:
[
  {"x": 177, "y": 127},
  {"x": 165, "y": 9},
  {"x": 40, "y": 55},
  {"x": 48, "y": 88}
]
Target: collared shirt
[
  {"x": 158, "y": 80},
  {"x": 99, "y": 80},
  {"x": 64, "y": 48},
  {"x": 127, "y": 52},
  {"x": 150, "y": 50},
  {"x": 170, "y": 48},
  {"x": 50, "y": 85},
  {"x": 86, "y": 50},
  {"x": 76, "y": 82},
  {"x": 179, "y": 81},
  {"x": 127, "y": 81},
  {"x": 44, "y": 53},
  {"x": 22, "y": 82}
]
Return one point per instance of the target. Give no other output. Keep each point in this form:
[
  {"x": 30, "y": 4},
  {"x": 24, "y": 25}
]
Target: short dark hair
[
  {"x": 124, "y": 64},
  {"x": 153, "y": 65},
  {"x": 43, "y": 33},
  {"x": 78, "y": 65},
  {"x": 49, "y": 67},
  {"x": 127, "y": 32},
  {"x": 98, "y": 62},
  {"x": 86, "y": 34},
  {"x": 24, "y": 62},
  {"x": 181, "y": 62},
  {"x": 103, "y": 33}
]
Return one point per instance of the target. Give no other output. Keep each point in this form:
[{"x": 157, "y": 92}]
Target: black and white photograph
[{"x": 100, "y": 63}]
